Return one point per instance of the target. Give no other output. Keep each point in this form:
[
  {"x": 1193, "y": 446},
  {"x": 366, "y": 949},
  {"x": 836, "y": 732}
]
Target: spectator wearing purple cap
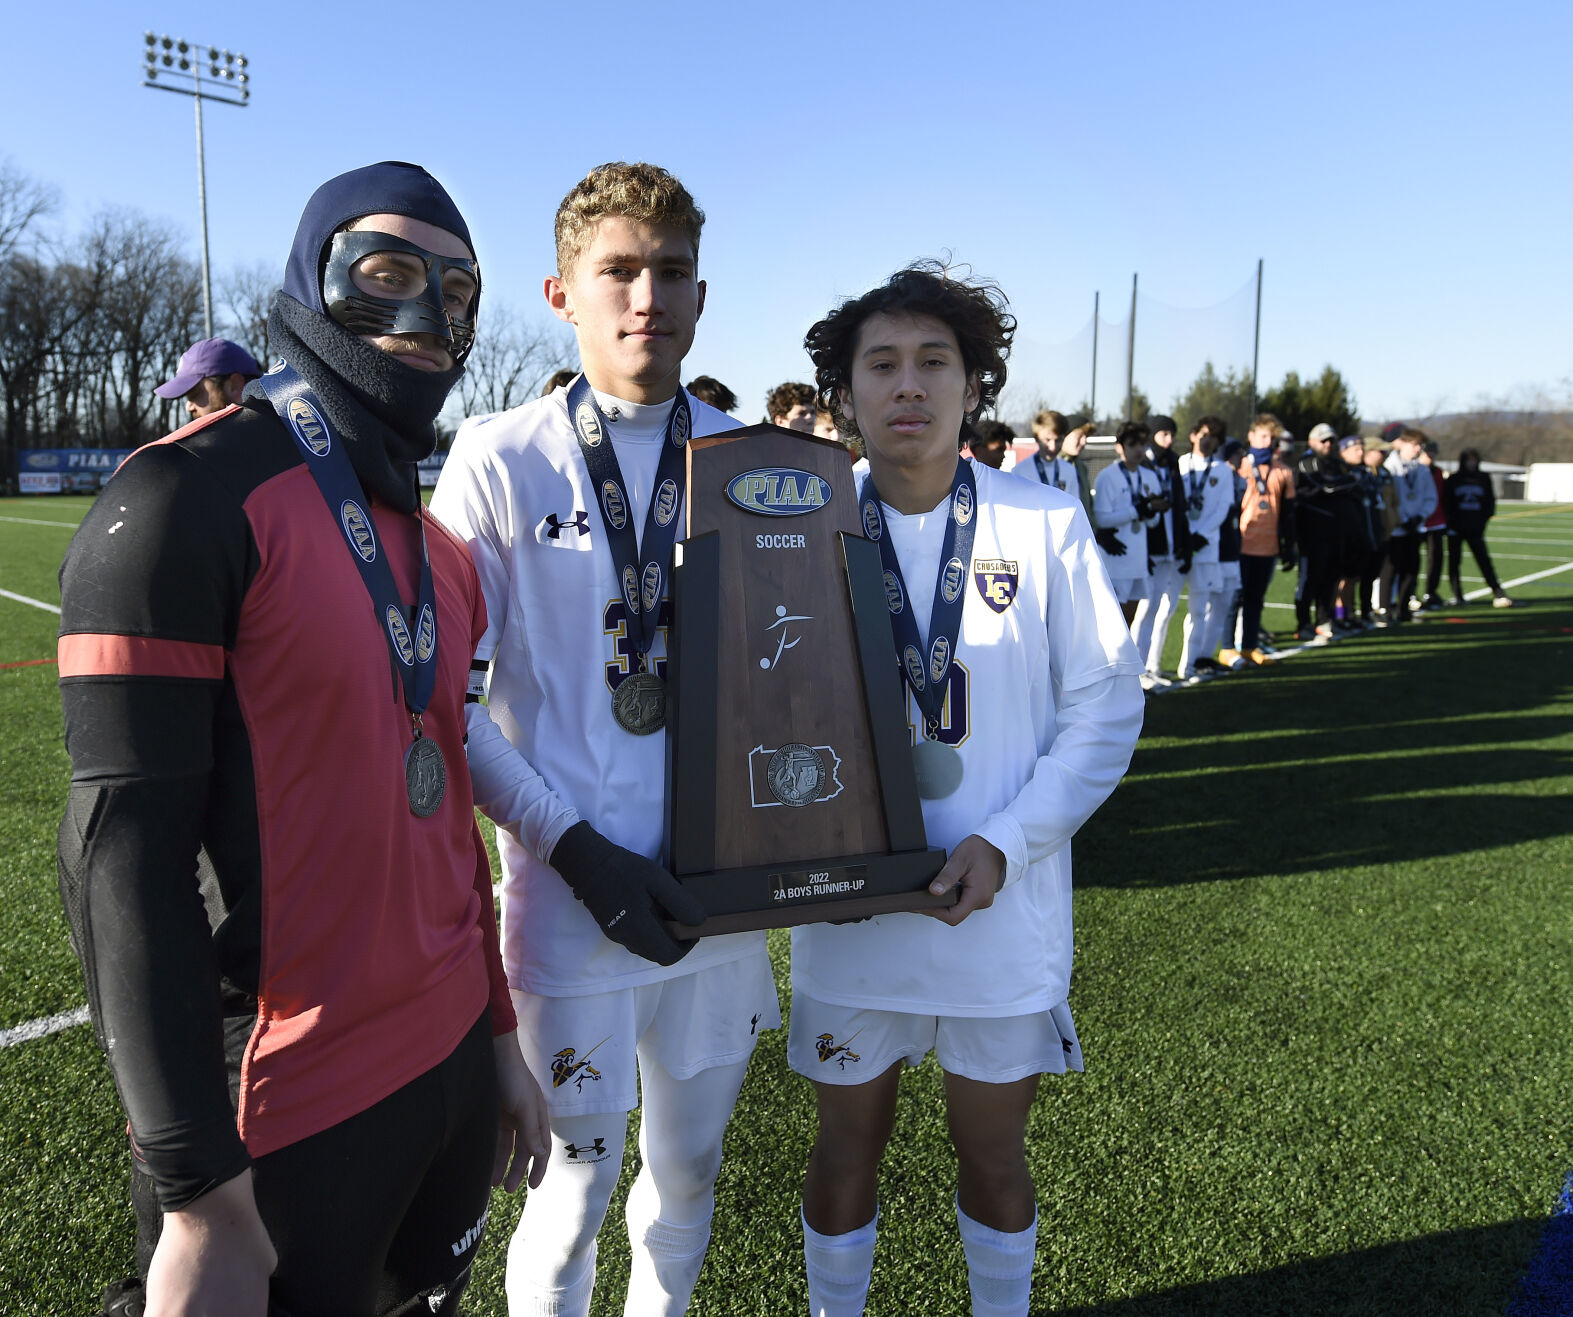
[{"x": 210, "y": 377}]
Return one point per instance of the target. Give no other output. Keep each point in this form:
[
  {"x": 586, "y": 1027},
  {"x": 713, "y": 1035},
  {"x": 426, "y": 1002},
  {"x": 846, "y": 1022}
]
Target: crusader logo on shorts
[
  {"x": 895, "y": 597},
  {"x": 426, "y": 634},
  {"x": 650, "y": 592},
  {"x": 830, "y": 1050},
  {"x": 964, "y": 505},
  {"x": 358, "y": 530},
  {"x": 631, "y": 588},
  {"x": 666, "y": 503},
  {"x": 950, "y": 582},
  {"x": 308, "y": 425},
  {"x": 570, "y": 1068},
  {"x": 588, "y": 424},
  {"x": 873, "y": 526},
  {"x": 996, "y": 580},
  {"x": 616, "y": 508},
  {"x": 914, "y": 662},
  {"x": 399, "y": 632}
]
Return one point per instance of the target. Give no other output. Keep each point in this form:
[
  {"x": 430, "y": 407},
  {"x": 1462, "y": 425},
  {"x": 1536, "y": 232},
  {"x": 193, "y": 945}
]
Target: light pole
[{"x": 170, "y": 64}]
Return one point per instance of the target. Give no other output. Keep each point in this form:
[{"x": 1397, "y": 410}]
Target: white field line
[
  {"x": 28, "y": 599},
  {"x": 1530, "y": 557},
  {"x": 1523, "y": 580},
  {"x": 33, "y": 521},
  {"x": 34, "y": 1029}
]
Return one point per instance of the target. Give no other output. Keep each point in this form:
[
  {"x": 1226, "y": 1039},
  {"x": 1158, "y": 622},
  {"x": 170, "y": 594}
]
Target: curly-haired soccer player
[{"x": 1024, "y": 701}]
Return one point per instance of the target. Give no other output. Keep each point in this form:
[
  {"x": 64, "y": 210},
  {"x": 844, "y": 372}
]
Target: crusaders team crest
[{"x": 996, "y": 581}]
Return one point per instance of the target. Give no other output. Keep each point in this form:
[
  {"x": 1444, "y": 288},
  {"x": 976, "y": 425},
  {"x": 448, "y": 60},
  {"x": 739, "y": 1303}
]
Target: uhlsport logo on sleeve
[
  {"x": 778, "y": 491},
  {"x": 666, "y": 503},
  {"x": 308, "y": 425},
  {"x": 996, "y": 580},
  {"x": 399, "y": 631},
  {"x": 357, "y": 529},
  {"x": 614, "y": 503}
]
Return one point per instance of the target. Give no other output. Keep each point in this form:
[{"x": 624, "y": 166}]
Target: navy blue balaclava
[
  {"x": 390, "y": 187},
  {"x": 384, "y": 409}
]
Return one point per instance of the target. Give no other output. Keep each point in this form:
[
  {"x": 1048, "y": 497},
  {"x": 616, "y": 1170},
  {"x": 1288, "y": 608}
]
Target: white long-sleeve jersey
[
  {"x": 545, "y": 751},
  {"x": 1044, "y": 706},
  {"x": 1209, "y": 492}
]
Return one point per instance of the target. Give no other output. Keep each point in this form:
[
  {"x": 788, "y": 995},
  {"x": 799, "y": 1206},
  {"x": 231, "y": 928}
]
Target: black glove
[
  {"x": 1412, "y": 525},
  {"x": 626, "y": 894},
  {"x": 1287, "y": 561},
  {"x": 1185, "y": 565},
  {"x": 1109, "y": 542},
  {"x": 1149, "y": 564},
  {"x": 1159, "y": 503},
  {"x": 1198, "y": 541}
]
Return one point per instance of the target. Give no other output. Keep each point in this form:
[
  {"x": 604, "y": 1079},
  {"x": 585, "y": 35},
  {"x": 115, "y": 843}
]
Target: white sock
[
  {"x": 571, "y": 1300},
  {"x": 666, "y": 1258},
  {"x": 839, "y": 1269},
  {"x": 999, "y": 1266}
]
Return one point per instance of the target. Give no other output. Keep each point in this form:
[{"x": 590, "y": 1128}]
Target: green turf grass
[{"x": 1323, "y": 968}]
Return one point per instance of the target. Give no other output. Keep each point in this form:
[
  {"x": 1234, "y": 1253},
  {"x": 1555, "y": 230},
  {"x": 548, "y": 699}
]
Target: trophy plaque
[{"x": 790, "y": 780}]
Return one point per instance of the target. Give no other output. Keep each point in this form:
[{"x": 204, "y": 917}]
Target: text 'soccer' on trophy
[{"x": 791, "y": 782}]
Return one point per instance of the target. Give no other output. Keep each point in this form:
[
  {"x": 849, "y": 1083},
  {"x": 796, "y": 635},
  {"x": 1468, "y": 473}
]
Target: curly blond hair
[{"x": 646, "y": 194}]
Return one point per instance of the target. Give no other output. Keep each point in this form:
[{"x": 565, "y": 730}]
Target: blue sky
[{"x": 1400, "y": 167}]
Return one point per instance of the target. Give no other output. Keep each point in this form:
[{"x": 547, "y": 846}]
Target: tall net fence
[{"x": 1183, "y": 361}]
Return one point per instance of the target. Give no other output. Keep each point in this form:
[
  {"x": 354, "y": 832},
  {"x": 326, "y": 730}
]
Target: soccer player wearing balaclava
[{"x": 264, "y": 652}]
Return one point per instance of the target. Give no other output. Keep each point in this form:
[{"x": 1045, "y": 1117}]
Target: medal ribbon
[
  {"x": 925, "y": 668},
  {"x": 414, "y": 652},
  {"x": 642, "y": 561},
  {"x": 1043, "y": 471}
]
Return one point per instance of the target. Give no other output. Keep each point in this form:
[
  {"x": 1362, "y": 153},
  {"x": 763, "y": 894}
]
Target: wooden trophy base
[{"x": 815, "y": 892}]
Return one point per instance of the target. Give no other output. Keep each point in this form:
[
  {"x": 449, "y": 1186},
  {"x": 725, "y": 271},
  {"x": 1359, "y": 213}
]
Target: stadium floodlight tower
[{"x": 172, "y": 64}]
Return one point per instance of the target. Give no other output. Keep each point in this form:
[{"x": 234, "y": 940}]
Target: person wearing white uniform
[
  {"x": 566, "y": 758},
  {"x": 1209, "y": 492},
  {"x": 1127, "y": 498},
  {"x": 1169, "y": 548},
  {"x": 1037, "y": 628}
]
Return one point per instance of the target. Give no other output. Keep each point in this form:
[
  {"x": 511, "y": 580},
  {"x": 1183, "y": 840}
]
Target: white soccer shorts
[
  {"x": 584, "y": 1050},
  {"x": 1129, "y": 589},
  {"x": 852, "y": 1045}
]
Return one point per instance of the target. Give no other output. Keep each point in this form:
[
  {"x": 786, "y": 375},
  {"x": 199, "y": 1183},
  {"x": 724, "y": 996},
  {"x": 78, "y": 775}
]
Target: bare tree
[
  {"x": 511, "y": 358},
  {"x": 246, "y": 296},
  {"x": 24, "y": 202}
]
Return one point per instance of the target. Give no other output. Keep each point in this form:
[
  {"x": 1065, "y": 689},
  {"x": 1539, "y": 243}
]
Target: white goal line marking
[
  {"x": 28, "y": 599},
  {"x": 34, "y": 521},
  {"x": 34, "y": 1029}
]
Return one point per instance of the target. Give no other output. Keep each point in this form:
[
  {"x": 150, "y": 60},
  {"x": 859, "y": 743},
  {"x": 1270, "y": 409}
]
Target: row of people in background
[{"x": 1350, "y": 523}]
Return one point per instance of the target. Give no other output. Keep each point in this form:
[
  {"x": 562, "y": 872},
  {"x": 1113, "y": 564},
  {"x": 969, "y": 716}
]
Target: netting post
[
  {"x": 1092, "y": 401},
  {"x": 1130, "y": 357},
  {"x": 1256, "y": 339}
]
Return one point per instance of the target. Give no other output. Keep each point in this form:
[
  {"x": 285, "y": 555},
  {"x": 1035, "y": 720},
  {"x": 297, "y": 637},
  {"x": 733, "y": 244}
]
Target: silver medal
[
  {"x": 425, "y": 776},
  {"x": 639, "y": 703},
  {"x": 937, "y": 767}
]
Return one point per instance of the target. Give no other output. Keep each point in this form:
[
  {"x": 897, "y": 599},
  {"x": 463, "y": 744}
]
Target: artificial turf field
[{"x": 1324, "y": 966}]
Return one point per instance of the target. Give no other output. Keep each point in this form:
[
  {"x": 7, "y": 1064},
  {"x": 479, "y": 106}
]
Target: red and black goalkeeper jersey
[{"x": 226, "y": 686}]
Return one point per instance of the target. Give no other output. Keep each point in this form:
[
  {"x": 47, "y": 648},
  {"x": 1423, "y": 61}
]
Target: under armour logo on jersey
[
  {"x": 559, "y": 532},
  {"x": 556, "y": 526},
  {"x": 592, "y": 1151}
]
